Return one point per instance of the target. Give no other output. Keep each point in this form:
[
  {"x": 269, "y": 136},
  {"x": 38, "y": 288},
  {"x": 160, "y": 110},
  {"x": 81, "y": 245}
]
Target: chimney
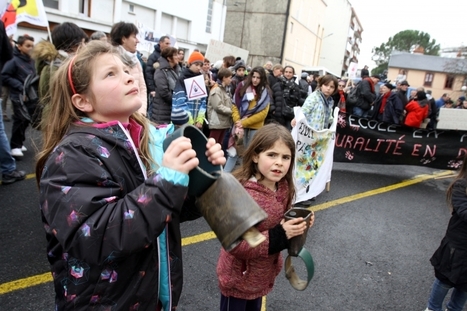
[{"x": 419, "y": 50}]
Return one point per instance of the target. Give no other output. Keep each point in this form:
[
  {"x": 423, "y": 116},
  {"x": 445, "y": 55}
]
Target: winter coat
[
  {"x": 403, "y": 97},
  {"x": 249, "y": 273},
  {"x": 103, "y": 217},
  {"x": 6, "y": 50},
  {"x": 184, "y": 110},
  {"x": 277, "y": 101},
  {"x": 149, "y": 71},
  {"x": 417, "y": 111},
  {"x": 166, "y": 77},
  {"x": 318, "y": 110},
  {"x": 291, "y": 92},
  {"x": 234, "y": 83},
  {"x": 219, "y": 108},
  {"x": 251, "y": 113},
  {"x": 393, "y": 109},
  {"x": 367, "y": 94},
  {"x": 47, "y": 60},
  {"x": 450, "y": 259},
  {"x": 277, "y": 104},
  {"x": 303, "y": 85},
  {"x": 15, "y": 72}
]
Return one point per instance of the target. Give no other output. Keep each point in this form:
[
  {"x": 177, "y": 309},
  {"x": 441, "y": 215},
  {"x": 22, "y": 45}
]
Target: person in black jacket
[
  {"x": 450, "y": 259},
  {"x": 14, "y": 74},
  {"x": 367, "y": 95},
  {"x": 164, "y": 42},
  {"x": 166, "y": 77},
  {"x": 277, "y": 100},
  {"x": 291, "y": 93}
]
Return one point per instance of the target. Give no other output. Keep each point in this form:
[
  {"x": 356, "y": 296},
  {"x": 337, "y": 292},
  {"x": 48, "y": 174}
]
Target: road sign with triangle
[{"x": 195, "y": 87}]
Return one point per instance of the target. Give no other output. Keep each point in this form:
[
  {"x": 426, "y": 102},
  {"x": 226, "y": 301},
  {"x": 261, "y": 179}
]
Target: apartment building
[
  {"x": 193, "y": 24},
  {"x": 301, "y": 33}
]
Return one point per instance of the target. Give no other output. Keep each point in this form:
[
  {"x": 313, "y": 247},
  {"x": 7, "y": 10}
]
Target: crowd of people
[{"x": 112, "y": 201}]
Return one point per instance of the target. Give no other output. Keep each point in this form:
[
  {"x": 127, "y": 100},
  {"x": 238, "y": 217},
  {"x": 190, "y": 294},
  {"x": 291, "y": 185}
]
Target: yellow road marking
[{"x": 47, "y": 277}]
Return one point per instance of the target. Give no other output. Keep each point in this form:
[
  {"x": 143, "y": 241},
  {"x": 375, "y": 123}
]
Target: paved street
[{"x": 374, "y": 233}]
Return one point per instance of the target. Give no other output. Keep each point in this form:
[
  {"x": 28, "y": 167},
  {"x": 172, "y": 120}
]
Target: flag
[{"x": 17, "y": 11}]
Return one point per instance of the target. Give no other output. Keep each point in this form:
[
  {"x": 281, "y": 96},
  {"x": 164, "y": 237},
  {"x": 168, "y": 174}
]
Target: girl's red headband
[{"x": 70, "y": 78}]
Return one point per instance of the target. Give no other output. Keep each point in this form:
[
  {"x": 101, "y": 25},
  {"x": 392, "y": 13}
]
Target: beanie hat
[
  {"x": 239, "y": 64},
  {"x": 195, "y": 57},
  {"x": 389, "y": 86},
  {"x": 421, "y": 95}
]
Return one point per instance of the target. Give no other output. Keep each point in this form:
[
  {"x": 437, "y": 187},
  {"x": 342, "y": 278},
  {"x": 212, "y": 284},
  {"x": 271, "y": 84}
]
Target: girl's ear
[
  {"x": 255, "y": 158},
  {"x": 82, "y": 103}
]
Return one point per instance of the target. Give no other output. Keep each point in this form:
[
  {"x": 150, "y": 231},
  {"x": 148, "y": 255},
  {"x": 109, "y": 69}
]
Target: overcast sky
[{"x": 445, "y": 21}]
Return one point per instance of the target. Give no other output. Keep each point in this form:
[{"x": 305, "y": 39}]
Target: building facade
[
  {"x": 438, "y": 74},
  {"x": 192, "y": 25},
  {"x": 300, "y": 33}
]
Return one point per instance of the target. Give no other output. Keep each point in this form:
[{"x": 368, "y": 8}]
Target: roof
[{"x": 427, "y": 62}]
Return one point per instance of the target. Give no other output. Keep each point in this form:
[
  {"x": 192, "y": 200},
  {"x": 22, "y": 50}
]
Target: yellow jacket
[{"x": 255, "y": 121}]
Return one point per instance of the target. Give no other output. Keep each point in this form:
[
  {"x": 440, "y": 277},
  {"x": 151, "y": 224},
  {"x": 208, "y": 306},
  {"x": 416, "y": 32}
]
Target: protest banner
[
  {"x": 217, "y": 50},
  {"x": 313, "y": 156},
  {"x": 15, "y": 12},
  {"x": 359, "y": 140}
]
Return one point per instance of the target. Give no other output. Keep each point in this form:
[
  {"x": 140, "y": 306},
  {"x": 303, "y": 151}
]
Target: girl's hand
[
  {"x": 214, "y": 152},
  {"x": 293, "y": 122},
  {"x": 238, "y": 124},
  {"x": 180, "y": 156},
  {"x": 294, "y": 227}
]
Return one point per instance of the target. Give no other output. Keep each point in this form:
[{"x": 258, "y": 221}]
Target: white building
[{"x": 193, "y": 24}]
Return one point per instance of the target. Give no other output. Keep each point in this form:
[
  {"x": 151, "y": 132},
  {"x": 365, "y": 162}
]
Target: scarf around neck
[{"x": 243, "y": 103}]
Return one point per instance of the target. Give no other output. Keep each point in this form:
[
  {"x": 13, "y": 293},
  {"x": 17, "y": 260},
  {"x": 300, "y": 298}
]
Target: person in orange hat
[{"x": 185, "y": 110}]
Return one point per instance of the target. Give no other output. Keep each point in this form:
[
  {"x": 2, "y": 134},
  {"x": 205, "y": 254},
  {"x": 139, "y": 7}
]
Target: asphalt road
[{"x": 374, "y": 233}]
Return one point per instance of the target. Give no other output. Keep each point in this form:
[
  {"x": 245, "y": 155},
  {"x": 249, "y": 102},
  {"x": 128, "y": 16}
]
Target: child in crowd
[
  {"x": 450, "y": 259},
  {"x": 185, "y": 110},
  {"x": 14, "y": 73},
  {"x": 111, "y": 201},
  {"x": 246, "y": 274}
]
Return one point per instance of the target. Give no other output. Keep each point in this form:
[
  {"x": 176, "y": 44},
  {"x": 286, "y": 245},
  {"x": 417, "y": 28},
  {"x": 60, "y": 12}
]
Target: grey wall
[{"x": 257, "y": 26}]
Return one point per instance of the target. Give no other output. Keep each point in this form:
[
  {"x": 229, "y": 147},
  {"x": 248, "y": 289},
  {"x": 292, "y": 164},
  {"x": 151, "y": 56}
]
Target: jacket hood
[{"x": 44, "y": 51}]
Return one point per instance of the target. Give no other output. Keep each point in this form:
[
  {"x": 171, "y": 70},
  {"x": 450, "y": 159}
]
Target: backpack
[
  {"x": 30, "y": 99},
  {"x": 353, "y": 96}
]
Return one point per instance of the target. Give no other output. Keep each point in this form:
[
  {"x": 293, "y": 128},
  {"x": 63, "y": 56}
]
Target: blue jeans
[
  {"x": 438, "y": 293},
  {"x": 359, "y": 112},
  {"x": 248, "y": 137},
  {"x": 7, "y": 162}
]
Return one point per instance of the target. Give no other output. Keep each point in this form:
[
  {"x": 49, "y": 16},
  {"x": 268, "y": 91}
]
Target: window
[
  {"x": 51, "y": 4},
  {"x": 84, "y": 7},
  {"x": 131, "y": 8},
  {"x": 291, "y": 27},
  {"x": 428, "y": 79},
  {"x": 209, "y": 17},
  {"x": 449, "y": 82}
]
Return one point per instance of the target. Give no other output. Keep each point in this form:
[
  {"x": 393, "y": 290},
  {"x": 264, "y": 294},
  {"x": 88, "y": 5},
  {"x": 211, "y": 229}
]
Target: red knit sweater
[{"x": 249, "y": 273}]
